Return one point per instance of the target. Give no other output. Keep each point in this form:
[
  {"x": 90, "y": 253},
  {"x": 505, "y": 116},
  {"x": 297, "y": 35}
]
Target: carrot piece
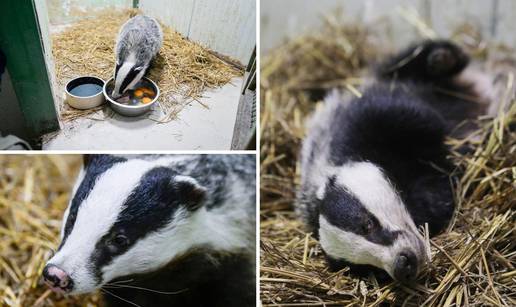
[
  {"x": 138, "y": 93},
  {"x": 148, "y": 91}
]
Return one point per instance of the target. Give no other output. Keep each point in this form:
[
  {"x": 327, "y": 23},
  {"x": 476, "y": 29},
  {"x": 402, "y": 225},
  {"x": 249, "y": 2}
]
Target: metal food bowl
[
  {"x": 130, "y": 110},
  {"x": 84, "y": 102}
]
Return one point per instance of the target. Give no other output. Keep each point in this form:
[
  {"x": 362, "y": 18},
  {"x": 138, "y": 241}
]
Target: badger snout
[
  {"x": 57, "y": 279},
  {"x": 406, "y": 267},
  {"x": 115, "y": 94}
]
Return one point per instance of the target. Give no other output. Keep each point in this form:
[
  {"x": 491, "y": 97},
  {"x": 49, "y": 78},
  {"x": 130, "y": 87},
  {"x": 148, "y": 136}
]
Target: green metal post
[{"x": 20, "y": 39}]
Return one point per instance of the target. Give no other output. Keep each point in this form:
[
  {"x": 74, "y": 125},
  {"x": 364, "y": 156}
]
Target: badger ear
[{"x": 191, "y": 193}]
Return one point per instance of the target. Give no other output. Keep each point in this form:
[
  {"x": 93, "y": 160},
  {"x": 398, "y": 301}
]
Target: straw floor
[
  {"x": 34, "y": 192},
  {"x": 183, "y": 69},
  {"x": 473, "y": 262}
]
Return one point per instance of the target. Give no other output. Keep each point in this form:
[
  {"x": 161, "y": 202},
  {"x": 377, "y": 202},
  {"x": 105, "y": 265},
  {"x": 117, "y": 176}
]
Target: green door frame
[{"x": 21, "y": 41}]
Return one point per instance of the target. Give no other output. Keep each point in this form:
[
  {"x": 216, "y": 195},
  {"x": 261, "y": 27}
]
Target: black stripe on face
[
  {"x": 95, "y": 165},
  {"x": 129, "y": 78},
  {"x": 117, "y": 68},
  {"x": 344, "y": 210},
  {"x": 149, "y": 208}
]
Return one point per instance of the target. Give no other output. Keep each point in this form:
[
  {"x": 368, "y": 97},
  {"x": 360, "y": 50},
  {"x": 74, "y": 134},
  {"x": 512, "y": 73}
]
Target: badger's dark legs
[{"x": 430, "y": 61}]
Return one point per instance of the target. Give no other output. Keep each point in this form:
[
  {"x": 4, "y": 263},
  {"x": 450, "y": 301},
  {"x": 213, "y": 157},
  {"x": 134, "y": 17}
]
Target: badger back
[{"x": 138, "y": 42}]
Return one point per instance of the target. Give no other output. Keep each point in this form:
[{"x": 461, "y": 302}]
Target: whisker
[
  {"x": 127, "y": 301},
  {"x": 147, "y": 289},
  {"x": 122, "y": 281}
]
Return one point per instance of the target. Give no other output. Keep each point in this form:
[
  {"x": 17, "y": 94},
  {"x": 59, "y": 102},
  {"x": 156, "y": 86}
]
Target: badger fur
[
  {"x": 174, "y": 230},
  {"x": 138, "y": 42},
  {"x": 375, "y": 168}
]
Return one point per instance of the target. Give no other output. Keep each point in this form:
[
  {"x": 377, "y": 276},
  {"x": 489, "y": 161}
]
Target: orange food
[
  {"x": 138, "y": 93},
  {"x": 148, "y": 91},
  {"x": 146, "y": 100}
]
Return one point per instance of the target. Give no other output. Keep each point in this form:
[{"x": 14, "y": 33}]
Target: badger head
[
  {"x": 125, "y": 218},
  {"x": 128, "y": 73},
  {"x": 363, "y": 221}
]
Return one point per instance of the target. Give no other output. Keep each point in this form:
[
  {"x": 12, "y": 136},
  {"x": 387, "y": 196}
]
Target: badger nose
[
  {"x": 405, "y": 267},
  {"x": 57, "y": 279}
]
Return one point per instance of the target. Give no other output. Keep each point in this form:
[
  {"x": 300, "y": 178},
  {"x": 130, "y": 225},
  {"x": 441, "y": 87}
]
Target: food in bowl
[{"x": 139, "y": 96}]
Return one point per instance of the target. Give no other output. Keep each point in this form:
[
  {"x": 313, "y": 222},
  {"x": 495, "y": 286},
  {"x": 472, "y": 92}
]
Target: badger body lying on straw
[
  {"x": 172, "y": 230},
  {"x": 375, "y": 168},
  {"x": 138, "y": 42}
]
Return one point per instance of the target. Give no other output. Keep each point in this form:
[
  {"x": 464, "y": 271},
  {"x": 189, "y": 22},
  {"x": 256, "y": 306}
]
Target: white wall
[
  {"x": 290, "y": 18},
  {"x": 226, "y": 26},
  {"x": 65, "y": 11}
]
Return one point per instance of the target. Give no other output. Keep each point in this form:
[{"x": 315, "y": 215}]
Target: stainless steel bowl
[
  {"x": 84, "y": 102},
  {"x": 128, "y": 110}
]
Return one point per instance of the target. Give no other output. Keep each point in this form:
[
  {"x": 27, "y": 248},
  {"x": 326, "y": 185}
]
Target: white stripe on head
[
  {"x": 96, "y": 214},
  {"x": 78, "y": 181},
  {"x": 372, "y": 188},
  {"x": 128, "y": 64}
]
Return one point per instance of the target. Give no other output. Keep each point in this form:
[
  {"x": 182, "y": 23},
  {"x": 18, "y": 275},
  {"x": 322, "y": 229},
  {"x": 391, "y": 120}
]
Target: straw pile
[
  {"x": 34, "y": 192},
  {"x": 472, "y": 263},
  {"x": 183, "y": 69}
]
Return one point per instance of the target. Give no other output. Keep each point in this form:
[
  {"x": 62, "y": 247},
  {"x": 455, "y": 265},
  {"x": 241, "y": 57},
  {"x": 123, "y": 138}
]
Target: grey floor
[{"x": 199, "y": 126}]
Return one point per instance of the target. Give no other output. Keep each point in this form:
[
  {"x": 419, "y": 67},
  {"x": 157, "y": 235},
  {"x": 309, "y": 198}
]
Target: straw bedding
[
  {"x": 183, "y": 69},
  {"x": 473, "y": 263},
  {"x": 34, "y": 192}
]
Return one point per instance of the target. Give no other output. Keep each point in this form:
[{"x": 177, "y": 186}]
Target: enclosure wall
[
  {"x": 289, "y": 18},
  {"x": 226, "y": 26}
]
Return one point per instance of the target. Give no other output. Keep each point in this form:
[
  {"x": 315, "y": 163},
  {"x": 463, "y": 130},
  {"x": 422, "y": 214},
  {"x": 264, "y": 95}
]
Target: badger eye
[
  {"x": 368, "y": 226},
  {"x": 119, "y": 241}
]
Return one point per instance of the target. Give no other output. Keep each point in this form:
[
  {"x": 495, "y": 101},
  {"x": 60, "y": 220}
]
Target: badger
[
  {"x": 375, "y": 168},
  {"x": 138, "y": 42},
  {"x": 176, "y": 230}
]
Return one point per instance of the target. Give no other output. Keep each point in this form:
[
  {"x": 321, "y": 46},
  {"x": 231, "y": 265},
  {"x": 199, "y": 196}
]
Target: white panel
[
  {"x": 291, "y": 18},
  {"x": 66, "y": 11},
  {"x": 176, "y": 14},
  {"x": 447, "y": 15},
  {"x": 385, "y": 16},
  {"x": 506, "y": 18},
  {"x": 226, "y": 26}
]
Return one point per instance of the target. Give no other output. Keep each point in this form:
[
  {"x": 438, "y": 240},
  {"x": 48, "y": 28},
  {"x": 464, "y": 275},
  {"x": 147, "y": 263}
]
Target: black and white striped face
[
  {"x": 127, "y": 74},
  {"x": 363, "y": 221},
  {"x": 126, "y": 217}
]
